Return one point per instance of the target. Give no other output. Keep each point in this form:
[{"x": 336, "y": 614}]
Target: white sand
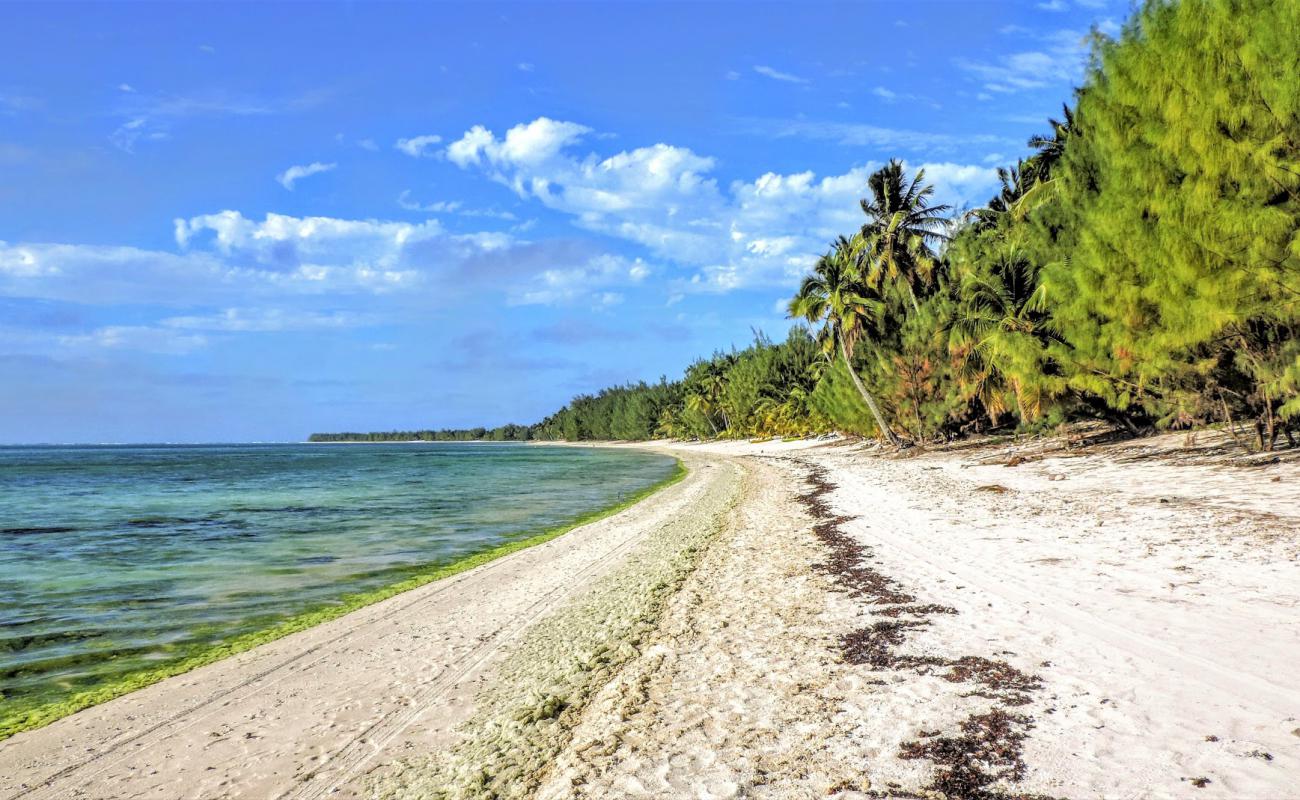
[
  {"x": 1154, "y": 598},
  {"x": 1153, "y": 592}
]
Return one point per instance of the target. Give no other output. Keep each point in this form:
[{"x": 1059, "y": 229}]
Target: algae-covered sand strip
[
  {"x": 15, "y": 717},
  {"x": 525, "y": 716}
]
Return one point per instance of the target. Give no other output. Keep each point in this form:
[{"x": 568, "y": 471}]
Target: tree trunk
[
  {"x": 916, "y": 306},
  {"x": 1020, "y": 403},
  {"x": 885, "y": 430}
]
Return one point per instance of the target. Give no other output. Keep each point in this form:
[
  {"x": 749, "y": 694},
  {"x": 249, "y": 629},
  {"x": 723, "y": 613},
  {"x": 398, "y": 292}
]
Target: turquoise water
[{"x": 114, "y": 559}]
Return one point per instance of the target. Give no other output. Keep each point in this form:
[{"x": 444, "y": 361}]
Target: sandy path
[{"x": 305, "y": 716}]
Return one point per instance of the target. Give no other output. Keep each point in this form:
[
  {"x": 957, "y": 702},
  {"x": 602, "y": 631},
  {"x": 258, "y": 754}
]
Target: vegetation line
[{"x": 28, "y": 719}]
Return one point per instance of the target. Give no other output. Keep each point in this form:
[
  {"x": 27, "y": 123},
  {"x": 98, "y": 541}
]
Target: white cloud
[
  {"x": 525, "y": 66},
  {"x": 125, "y": 87},
  {"x": 529, "y": 143},
  {"x": 777, "y": 75},
  {"x": 227, "y": 259},
  {"x": 887, "y": 94},
  {"x": 296, "y": 173},
  {"x": 368, "y": 144},
  {"x": 732, "y": 75},
  {"x": 664, "y": 198},
  {"x": 418, "y": 146},
  {"x": 589, "y": 282},
  {"x": 1054, "y": 5},
  {"x": 233, "y": 275},
  {"x": 961, "y": 185}
]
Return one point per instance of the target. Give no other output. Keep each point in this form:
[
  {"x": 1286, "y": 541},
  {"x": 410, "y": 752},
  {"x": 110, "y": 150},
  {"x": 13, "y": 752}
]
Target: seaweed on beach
[
  {"x": 987, "y": 750},
  {"x": 846, "y": 563},
  {"x": 988, "y": 746}
]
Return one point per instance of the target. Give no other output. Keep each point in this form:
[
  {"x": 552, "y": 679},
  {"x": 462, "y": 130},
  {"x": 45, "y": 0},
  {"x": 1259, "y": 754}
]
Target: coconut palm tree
[
  {"x": 1002, "y": 331},
  {"x": 699, "y": 404},
  {"x": 902, "y": 229},
  {"x": 835, "y": 296},
  {"x": 1051, "y": 148}
]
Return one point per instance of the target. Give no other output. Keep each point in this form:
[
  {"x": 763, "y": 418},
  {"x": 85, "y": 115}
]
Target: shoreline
[
  {"x": 44, "y": 715},
  {"x": 791, "y": 619}
]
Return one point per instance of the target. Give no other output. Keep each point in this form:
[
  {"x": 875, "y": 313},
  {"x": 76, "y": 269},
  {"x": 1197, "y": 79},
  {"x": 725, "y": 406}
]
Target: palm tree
[
  {"x": 901, "y": 229},
  {"x": 1002, "y": 331},
  {"x": 700, "y": 404},
  {"x": 835, "y": 296},
  {"x": 1052, "y": 148}
]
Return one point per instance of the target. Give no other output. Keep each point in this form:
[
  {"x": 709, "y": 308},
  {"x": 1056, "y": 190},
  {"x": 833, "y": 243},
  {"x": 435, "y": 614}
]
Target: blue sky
[{"x": 250, "y": 222}]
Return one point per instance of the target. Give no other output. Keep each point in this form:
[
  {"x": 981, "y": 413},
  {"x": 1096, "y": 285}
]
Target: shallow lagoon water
[{"x": 115, "y": 559}]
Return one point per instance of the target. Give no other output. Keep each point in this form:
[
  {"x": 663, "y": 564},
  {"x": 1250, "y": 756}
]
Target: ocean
[{"x": 116, "y": 560}]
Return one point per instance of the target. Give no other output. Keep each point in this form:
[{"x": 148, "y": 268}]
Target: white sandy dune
[{"x": 1118, "y": 621}]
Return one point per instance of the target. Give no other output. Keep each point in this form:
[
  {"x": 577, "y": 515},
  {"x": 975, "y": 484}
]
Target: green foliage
[
  {"x": 1176, "y": 284},
  {"x": 505, "y": 433},
  {"x": 836, "y": 399},
  {"x": 762, "y": 390}
]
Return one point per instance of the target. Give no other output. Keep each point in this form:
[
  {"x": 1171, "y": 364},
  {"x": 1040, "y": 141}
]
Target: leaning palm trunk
[{"x": 885, "y": 430}]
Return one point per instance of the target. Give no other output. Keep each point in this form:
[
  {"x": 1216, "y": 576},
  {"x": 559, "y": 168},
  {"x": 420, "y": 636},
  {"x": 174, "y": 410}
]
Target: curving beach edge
[{"x": 792, "y": 619}]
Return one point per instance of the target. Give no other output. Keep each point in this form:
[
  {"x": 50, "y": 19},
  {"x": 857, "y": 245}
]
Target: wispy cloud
[
  {"x": 136, "y": 337},
  {"x": 264, "y": 320},
  {"x": 406, "y": 201},
  {"x": 14, "y": 103},
  {"x": 296, "y": 173},
  {"x": 777, "y": 75},
  {"x": 133, "y": 130},
  {"x": 1059, "y": 60},
  {"x": 418, "y": 146},
  {"x": 150, "y": 117},
  {"x": 853, "y": 134},
  {"x": 525, "y": 66}
]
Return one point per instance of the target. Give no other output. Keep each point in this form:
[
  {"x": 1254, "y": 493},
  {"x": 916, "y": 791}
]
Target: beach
[{"x": 793, "y": 619}]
